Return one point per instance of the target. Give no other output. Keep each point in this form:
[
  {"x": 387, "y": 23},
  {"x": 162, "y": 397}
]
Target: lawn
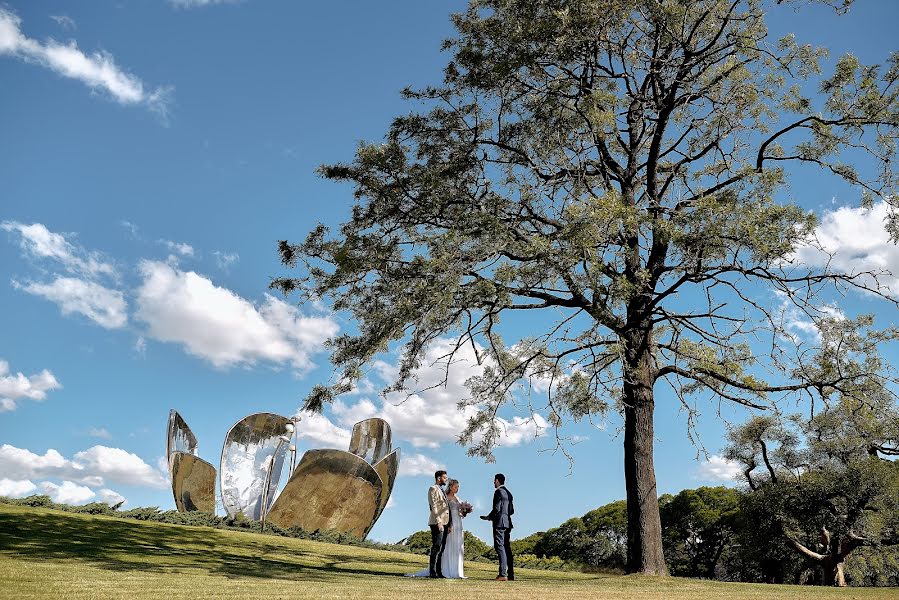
[{"x": 52, "y": 554}]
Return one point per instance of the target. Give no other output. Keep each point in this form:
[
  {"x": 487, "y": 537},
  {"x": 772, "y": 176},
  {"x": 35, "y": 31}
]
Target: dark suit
[{"x": 501, "y": 517}]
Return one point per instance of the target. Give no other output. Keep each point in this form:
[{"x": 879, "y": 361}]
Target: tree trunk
[
  {"x": 644, "y": 526},
  {"x": 833, "y": 571}
]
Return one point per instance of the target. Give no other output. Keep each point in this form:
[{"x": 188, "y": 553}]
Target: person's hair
[
  {"x": 451, "y": 483},
  {"x": 437, "y": 474},
  {"x": 500, "y": 478}
]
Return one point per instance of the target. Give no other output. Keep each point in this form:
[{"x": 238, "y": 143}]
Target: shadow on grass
[{"x": 109, "y": 543}]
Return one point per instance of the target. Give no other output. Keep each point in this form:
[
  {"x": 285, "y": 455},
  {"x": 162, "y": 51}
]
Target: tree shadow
[{"x": 126, "y": 545}]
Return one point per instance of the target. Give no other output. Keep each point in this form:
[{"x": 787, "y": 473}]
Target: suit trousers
[
  {"x": 438, "y": 542},
  {"x": 503, "y": 546}
]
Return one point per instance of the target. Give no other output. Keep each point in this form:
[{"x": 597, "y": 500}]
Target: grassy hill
[{"x": 52, "y": 554}]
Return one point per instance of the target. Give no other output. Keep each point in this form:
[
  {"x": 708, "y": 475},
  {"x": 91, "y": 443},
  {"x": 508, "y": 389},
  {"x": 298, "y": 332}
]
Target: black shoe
[
  {"x": 432, "y": 576},
  {"x": 441, "y": 576}
]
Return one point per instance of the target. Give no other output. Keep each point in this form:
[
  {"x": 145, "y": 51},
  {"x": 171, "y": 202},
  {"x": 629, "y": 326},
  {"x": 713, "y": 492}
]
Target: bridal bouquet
[{"x": 465, "y": 508}]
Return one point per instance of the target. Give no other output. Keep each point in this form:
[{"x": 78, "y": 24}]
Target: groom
[
  {"x": 440, "y": 522},
  {"x": 501, "y": 517}
]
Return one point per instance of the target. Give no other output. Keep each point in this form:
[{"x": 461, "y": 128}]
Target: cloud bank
[
  {"x": 217, "y": 325},
  {"x": 855, "y": 240}
]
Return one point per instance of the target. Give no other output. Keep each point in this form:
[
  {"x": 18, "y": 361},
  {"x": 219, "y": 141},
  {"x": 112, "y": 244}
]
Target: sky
[{"x": 151, "y": 155}]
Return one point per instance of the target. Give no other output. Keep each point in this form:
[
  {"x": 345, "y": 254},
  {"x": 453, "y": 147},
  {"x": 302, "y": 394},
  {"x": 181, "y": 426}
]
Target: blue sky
[{"x": 151, "y": 154}]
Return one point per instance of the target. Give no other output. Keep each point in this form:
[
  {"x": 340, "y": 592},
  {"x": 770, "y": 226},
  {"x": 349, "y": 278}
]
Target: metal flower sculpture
[
  {"x": 341, "y": 491},
  {"x": 193, "y": 479},
  {"x": 329, "y": 489}
]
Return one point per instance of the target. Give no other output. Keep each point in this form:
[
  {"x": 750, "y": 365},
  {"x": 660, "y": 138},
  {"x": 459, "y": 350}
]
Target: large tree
[{"x": 611, "y": 167}]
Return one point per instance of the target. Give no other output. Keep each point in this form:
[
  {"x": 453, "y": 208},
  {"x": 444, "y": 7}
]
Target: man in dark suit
[{"x": 501, "y": 517}]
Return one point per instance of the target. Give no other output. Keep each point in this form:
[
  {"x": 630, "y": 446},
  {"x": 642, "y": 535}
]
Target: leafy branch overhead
[{"x": 600, "y": 160}]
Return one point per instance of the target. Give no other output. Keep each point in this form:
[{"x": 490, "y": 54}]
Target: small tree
[
  {"x": 611, "y": 165},
  {"x": 823, "y": 483}
]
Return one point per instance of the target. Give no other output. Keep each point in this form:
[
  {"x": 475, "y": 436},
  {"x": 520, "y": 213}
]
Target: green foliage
[
  {"x": 824, "y": 490},
  {"x": 418, "y": 543},
  {"x": 526, "y": 545},
  {"x": 699, "y": 525},
  {"x": 474, "y": 547},
  {"x": 873, "y": 567},
  {"x": 598, "y": 539},
  {"x": 531, "y": 561}
]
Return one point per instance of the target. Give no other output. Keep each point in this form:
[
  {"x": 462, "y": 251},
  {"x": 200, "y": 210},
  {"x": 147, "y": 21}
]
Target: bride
[{"x": 451, "y": 560}]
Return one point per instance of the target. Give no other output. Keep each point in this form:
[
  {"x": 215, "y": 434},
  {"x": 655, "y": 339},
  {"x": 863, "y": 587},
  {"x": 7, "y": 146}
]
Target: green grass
[{"x": 52, "y": 554}]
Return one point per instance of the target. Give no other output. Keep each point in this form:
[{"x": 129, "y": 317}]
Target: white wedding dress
[{"x": 451, "y": 561}]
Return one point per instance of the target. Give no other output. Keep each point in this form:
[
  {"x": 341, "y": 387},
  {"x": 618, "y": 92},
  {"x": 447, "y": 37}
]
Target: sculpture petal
[
  {"x": 371, "y": 440},
  {"x": 252, "y": 461},
  {"x": 179, "y": 438},
  {"x": 193, "y": 482},
  {"x": 330, "y": 490},
  {"x": 387, "y": 469}
]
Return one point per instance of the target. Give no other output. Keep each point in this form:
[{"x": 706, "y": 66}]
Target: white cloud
[
  {"x": 65, "y": 22},
  {"x": 718, "y": 468},
  {"x": 521, "y": 430},
  {"x": 100, "y": 432},
  {"x": 319, "y": 432},
  {"x": 16, "y": 488},
  {"x": 39, "y": 242},
  {"x": 120, "y": 466},
  {"x": 179, "y": 247},
  {"x": 91, "y": 467},
  {"x": 854, "y": 240},
  {"x": 799, "y": 326},
  {"x": 68, "y": 492},
  {"x": 111, "y": 497},
  {"x": 200, "y": 3},
  {"x": 18, "y": 386},
  {"x": 105, "y": 307},
  {"x": 98, "y": 71},
  {"x": 431, "y": 416},
  {"x": 418, "y": 464},
  {"x": 219, "y": 326},
  {"x": 82, "y": 292},
  {"x": 132, "y": 229},
  {"x": 225, "y": 259}
]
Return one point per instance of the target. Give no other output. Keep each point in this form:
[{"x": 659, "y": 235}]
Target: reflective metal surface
[
  {"x": 193, "y": 482},
  {"x": 330, "y": 489},
  {"x": 252, "y": 456},
  {"x": 179, "y": 437},
  {"x": 371, "y": 439},
  {"x": 386, "y": 469}
]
